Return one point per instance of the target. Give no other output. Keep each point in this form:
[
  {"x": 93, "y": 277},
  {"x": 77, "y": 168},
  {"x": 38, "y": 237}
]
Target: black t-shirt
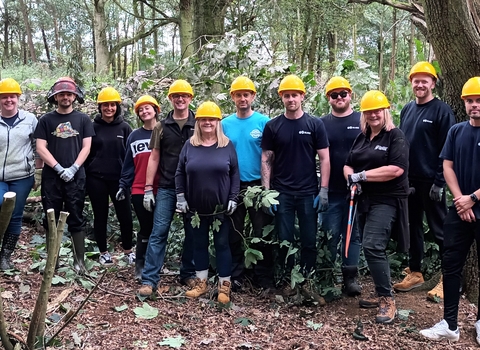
[
  {"x": 425, "y": 127},
  {"x": 295, "y": 144},
  {"x": 387, "y": 148},
  {"x": 64, "y": 134},
  {"x": 10, "y": 121},
  {"x": 341, "y": 132},
  {"x": 463, "y": 149}
]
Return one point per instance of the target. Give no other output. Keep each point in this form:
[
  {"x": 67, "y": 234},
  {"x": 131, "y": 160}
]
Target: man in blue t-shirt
[
  {"x": 343, "y": 127},
  {"x": 245, "y": 128},
  {"x": 462, "y": 223},
  {"x": 290, "y": 145}
]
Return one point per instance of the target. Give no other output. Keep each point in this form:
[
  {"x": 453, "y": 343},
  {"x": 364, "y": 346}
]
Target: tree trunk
[
  {"x": 100, "y": 36},
  {"x": 209, "y": 20},
  {"x": 186, "y": 28},
  {"x": 411, "y": 44},
  {"x": 312, "y": 52},
  {"x": 380, "y": 44},
  {"x": 332, "y": 49},
  {"x": 393, "y": 58},
  {"x": 6, "y": 28},
  {"x": 28, "y": 30},
  {"x": 47, "y": 50}
]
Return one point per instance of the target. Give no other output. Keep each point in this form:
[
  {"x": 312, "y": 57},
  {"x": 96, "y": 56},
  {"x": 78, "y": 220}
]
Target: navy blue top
[
  {"x": 294, "y": 143},
  {"x": 463, "y": 149},
  {"x": 208, "y": 176}
]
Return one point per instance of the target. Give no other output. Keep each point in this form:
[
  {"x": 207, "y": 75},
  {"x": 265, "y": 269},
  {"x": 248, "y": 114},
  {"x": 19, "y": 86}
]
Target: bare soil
[{"x": 252, "y": 322}]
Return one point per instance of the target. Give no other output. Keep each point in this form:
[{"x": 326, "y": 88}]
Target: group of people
[{"x": 200, "y": 165}]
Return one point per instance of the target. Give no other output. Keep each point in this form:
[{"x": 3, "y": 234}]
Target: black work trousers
[
  {"x": 420, "y": 205},
  {"x": 99, "y": 190},
  {"x": 145, "y": 217},
  {"x": 459, "y": 236}
]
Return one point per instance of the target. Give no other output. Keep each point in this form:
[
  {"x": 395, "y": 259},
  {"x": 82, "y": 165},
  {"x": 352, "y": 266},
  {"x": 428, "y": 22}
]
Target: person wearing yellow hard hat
[
  {"x": 103, "y": 168},
  {"x": 132, "y": 181},
  {"x": 462, "y": 223},
  {"x": 168, "y": 138},
  {"x": 64, "y": 138},
  {"x": 245, "y": 128},
  {"x": 343, "y": 126},
  {"x": 376, "y": 170},
  {"x": 17, "y": 162},
  {"x": 290, "y": 145},
  {"x": 207, "y": 183},
  {"x": 425, "y": 122}
]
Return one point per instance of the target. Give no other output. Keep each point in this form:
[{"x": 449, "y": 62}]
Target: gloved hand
[
  {"x": 69, "y": 173},
  {"x": 436, "y": 193},
  {"x": 59, "y": 169},
  {"x": 38, "y": 178},
  {"x": 270, "y": 210},
  {"x": 148, "y": 200},
  {"x": 358, "y": 189},
  {"x": 321, "y": 200},
  {"x": 120, "y": 196},
  {"x": 356, "y": 177},
  {"x": 182, "y": 204},
  {"x": 232, "y": 206}
]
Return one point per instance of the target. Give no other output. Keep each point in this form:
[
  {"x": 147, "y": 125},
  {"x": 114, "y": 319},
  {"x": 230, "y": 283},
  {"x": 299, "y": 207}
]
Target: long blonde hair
[
  {"x": 197, "y": 139},
  {"x": 387, "y": 121}
]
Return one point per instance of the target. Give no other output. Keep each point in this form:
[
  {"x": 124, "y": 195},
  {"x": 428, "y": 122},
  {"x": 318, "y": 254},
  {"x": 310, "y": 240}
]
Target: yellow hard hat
[
  {"x": 471, "y": 87},
  {"x": 108, "y": 94},
  {"x": 373, "y": 100},
  {"x": 337, "y": 83},
  {"x": 10, "y": 86},
  {"x": 291, "y": 82},
  {"x": 146, "y": 99},
  {"x": 208, "y": 109},
  {"x": 180, "y": 86},
  {"x": 242, "y": 83},
  {"x": 423, "y": 67}
]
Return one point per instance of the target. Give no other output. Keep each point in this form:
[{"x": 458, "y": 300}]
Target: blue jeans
[
  {"x": 22, "y": 188},
  {"x": 164, "y": 209},
  {"x": 335, "y": 221},
  {"x": 221, "y": 242},
  {"x": 376, "y": 228},
  {"x": 302, "y": 206}
]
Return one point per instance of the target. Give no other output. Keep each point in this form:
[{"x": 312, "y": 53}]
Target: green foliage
[
  {"x": 173, "y": 342},
  {"x": 243, "y": 321},
  {"x": 146, "y": 312},
  {"x": 314, "y": 326}
]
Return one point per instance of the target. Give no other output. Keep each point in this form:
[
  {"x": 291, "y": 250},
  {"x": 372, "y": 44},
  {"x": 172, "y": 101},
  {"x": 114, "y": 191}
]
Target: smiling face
[
  {"x": 146, "y": 112},
  {"x": 108, "y": 110},
  {"x": 208, "y": 125},
  {"x": 8, "y": 104},
  {"x": 181, "y": 101},
  {"x": 375, "y": 119},
  {"x": 65, "y": 100},
  {"x": 339, "y": 100},
  {"x": 243, "y": 99},
  {"x": 422, "y": 86}
]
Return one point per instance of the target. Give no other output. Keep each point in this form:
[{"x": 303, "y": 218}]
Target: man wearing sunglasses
[
  {"x": 425, "y": 123},
  {"x": 167, "y": 140},
  {"x": 343, "y": 126}
]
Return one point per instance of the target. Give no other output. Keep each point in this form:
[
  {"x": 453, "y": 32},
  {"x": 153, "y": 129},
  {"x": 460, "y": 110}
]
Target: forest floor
[{"x": 108, "y": 319}]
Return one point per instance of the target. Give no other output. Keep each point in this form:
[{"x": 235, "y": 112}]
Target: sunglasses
[{"x": 342, "y": 94}]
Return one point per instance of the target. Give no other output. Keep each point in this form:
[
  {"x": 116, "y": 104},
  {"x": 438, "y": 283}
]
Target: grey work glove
[
  {"x": 436, "y": 193},
  {"x": 232, "y": 206},
  {"x": 120, "y": 196},
  {"x": 59, "y": 169},
  {"x": 356, "y": 177},
  {"x": 321, "y": 200},
  {"x": 148, "y": 200},
  {"x": 182, "y": 204},
  {"x": 69, "y": 173}
]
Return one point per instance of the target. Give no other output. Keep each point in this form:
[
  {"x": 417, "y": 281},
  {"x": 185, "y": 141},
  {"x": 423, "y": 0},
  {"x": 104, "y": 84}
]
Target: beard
[{"x": 340, "y": 110}]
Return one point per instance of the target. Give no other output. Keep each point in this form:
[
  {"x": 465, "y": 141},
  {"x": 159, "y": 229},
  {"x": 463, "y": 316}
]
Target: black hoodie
[{"x": 108, "y": 148}]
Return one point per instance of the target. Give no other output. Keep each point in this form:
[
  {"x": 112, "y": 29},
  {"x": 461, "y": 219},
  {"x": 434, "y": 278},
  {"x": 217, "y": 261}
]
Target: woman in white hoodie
[{"x": 17, "y": 161}]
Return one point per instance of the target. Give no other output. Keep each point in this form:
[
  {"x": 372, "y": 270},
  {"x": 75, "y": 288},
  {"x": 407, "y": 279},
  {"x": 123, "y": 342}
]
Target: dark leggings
[{"x": 145, "y": 217}]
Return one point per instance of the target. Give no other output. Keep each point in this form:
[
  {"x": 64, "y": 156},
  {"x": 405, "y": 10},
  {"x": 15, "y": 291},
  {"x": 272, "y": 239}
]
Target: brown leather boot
[
  {"x": 199, "y": 289},
  {"x": 412, "y": 280},
  {"x": 387, "y": 310},
  {"x": 224, "y": 292}
]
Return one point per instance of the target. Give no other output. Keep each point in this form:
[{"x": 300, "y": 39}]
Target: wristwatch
[{"x": 474, "y": 198}]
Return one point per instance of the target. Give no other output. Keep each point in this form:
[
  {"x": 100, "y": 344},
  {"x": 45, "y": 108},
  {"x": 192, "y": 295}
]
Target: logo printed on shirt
[
  {"x": 255, "y": 133},
  {"x": 65, "y": 130},
  {"x": 120, "y": 136},
  {"x": 139, "y": 146},
  {"x": 381, "y": 148},
  {"x": 427, "y": 121},
  {"x": 303, "y": 132},
  {"x": 353, "y": 127}
]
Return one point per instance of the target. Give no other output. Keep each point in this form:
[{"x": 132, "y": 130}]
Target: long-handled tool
[{"x": 351, "y": 217}]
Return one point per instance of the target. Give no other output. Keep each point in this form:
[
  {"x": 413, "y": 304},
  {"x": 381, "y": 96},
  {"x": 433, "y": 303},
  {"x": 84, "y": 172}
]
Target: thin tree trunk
[
  {"x": 47, "y": 50},
  {"x": 28, "y": 29},
  {"x": 380, "y": 44},
  {"x": 411, "y": 44},
  {"x": 393, "y": 57},
  {"x": 6, "y": 28},
  {"x": 312, "y": 53}
]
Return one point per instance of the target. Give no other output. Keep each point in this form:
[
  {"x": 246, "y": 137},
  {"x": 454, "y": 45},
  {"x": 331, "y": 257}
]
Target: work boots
[
  {"x": 437, "y": 292},
  {"x": 387, "y": 310},
  {"x": 350, "y": 285},
  {"x": 78, "y": 247},
  {"x": 142, "y": 243},
  {"x": 224, "y": 292},
  {"x": 199, "y": 289},
  {"x": 412, "y": 280},
  {"x": 9, "y": 243}
]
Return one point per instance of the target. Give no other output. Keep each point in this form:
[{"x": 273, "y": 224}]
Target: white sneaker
[
  {"x": 477, "y": 328},
  {"x": 440, "y": 331},
  {"x": 106, "y": 259},
  {"x": 130, "y": 258}
]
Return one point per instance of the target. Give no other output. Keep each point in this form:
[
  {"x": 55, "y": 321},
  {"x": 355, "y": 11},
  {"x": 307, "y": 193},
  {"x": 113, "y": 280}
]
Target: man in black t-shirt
[
  {"x": 63, "y": 138},
  {"x": 290, "y": 144},
  {"x": 425, "y": 123},
  {"x": 462, "y": 223}
]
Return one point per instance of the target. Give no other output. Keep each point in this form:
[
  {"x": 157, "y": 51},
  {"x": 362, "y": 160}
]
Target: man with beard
[
  {"x": 425, "y": 123},
  {"x": 64, "y": 137},
  {"x": 343, "y": 126},
  {"x": 290, "y": 145},
  {"x": 244, "y": 128},
  {"x": 168, "y": 138},
  {"x": 461, "y": 227}
]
